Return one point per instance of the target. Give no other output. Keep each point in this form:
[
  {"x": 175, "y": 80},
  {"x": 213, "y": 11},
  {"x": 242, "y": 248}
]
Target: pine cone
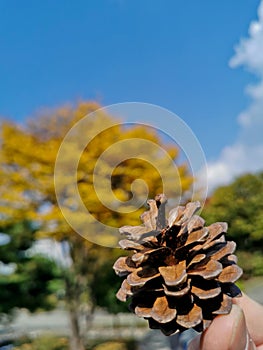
[{"x": 181, "y": 274}]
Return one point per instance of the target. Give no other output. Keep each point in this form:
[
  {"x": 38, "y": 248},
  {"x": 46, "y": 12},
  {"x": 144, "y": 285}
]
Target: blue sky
[{"x": 173, "y": 53}]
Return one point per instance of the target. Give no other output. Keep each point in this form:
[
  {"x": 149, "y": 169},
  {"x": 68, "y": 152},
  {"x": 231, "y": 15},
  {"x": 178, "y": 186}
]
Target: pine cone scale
[
  {"x": 206, "y": 294},
  {"x": 230, "y": 273},
  {"x": 123, "y": 266},
  {"x": 130, "y": 245},
  {"x": 125, "y": 291},
  {"x": 215, "y": 243},
  {"x": 196, "y": 259},
  {"x": 145, "y": 312},
  {"x": 192, "y": 319},
  {"x": 161, "y": 312},
  {"x": 173, "y": 275},
  {"x": 195, "y": 223},
  {"x": 211, "y": 270},
  {"x": 227, "y": 249},
  {"x": 178, "y": 292},
  {"x": 217, "y": 229},
  {"x": 197, "y": 237},
  {"x": 225, "y": 307},
  {"x": 142, "y": 275}
]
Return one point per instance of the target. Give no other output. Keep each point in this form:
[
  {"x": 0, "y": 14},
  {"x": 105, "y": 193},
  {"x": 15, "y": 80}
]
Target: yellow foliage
[
  {"x": 107, "y": 175},
  {"x": 112, "y": 345}
]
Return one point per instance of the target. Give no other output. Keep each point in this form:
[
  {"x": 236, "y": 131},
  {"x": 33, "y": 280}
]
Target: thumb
[{"x": 228, "y": 332}]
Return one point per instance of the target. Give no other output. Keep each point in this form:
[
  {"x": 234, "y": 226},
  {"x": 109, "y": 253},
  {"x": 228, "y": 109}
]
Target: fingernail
[
  {"x": 240, "y": 339},
  {"x": 250, "y": 344}
]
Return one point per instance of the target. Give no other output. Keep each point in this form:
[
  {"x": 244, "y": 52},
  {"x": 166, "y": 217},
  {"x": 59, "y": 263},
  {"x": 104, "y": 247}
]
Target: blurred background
[{"x": 63, "y": 60}]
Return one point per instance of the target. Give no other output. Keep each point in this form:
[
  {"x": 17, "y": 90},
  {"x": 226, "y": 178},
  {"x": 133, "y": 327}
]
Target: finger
[
  {"x": 254, "y": 317},
  {"x": 228, "y": 332}
]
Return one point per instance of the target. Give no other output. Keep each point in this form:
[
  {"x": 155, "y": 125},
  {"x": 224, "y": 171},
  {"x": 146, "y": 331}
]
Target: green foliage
[
  {"x": 29, "y": 286},
  {"x": 240, "y": 204},
  {"x": 105, "y": 284},
  {"x": 45, "y": 342},
  {"x": 252, "y": 263},
  {"x": 22, "y": 237}
]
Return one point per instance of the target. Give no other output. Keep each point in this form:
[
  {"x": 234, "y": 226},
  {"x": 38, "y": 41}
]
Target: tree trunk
[
  {"x": 72, "y": 301},
  {"x": 76, "y": 283},
  {"x": 76, "y": 342}
]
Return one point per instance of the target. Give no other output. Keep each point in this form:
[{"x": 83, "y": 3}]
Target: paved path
[
  {"x": 254, "y": 289},
  {"x": 57, "y": 321},
  {"x": 103, "y": 326}
]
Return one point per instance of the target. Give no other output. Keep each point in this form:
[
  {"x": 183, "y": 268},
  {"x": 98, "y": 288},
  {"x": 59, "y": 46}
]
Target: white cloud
[
  {"x": 249, "y": 51},
  {"x": 234, "y": 160},
  {"x": 246, "y": 154}
]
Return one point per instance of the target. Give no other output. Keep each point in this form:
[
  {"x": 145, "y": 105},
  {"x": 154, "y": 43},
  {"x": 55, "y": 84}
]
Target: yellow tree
[{"x": 103, "y": 164}]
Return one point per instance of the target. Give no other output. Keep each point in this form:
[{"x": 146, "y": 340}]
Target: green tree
[
  {"x": 29, "y": 283},
  {"x": 240, "y": 205}
]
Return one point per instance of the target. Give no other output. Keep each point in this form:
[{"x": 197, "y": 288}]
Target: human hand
[{"x": 242, "y": 329}]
